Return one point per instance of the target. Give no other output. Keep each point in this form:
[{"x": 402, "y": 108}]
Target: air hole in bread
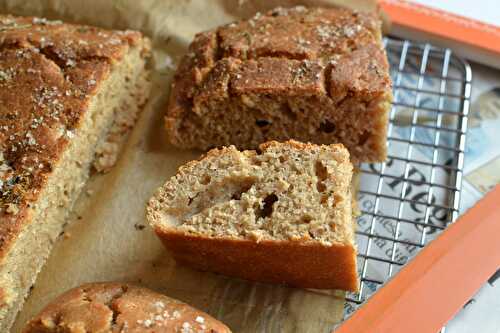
[
  {"x": 267, "y": 209},
  {"x": 190, "y": 200},
  {"x": 245, "y": 188},
  {"x": 306, "y": 219},
  {"x": 324, "y": 199},
  {"x": 351, "y": 44},
  {"x": 321, "y": 174},
  {"x": 206, "y": 180},
  {"x": 289, "y": 112},
  {"x": 327, "y": 126},
  {"x": 320, "y": 186},
  {"x": 217, "y": 192},
  {"x": 262, "y": 123},
  {"x": 364, "y": 137}
]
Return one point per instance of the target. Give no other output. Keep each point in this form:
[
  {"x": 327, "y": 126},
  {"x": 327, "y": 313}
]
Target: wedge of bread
[
  {"x": 111, "y": 307},
  {"x": 68, "y": 96},
  {"x": 281, "y": 214},
  {"x": 311, "y": 74}
]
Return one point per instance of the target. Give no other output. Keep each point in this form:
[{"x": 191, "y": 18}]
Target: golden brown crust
[
  {"x": 49, "y": 71},
  {"x": 365, "y": 70},
  {"x": 298, "y": 33},
  {"x": 322, "y": 36},
  {"x": 119, "y": 307},
  {"x": 333, "y": 56},
  {"x": 298, "y": 264}
]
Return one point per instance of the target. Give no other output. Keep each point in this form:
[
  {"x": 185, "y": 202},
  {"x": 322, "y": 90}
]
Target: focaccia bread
[
  {"x": 68, "y": 95},
  {"x": 111, "y": 307},
  {"x": 281, "y": 214},
  {"x": 311, "y": 74}
]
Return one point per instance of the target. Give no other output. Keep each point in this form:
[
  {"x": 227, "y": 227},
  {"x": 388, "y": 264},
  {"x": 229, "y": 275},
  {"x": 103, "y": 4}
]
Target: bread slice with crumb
[
  {"x": 68, "y": 95},
  {"x": 281, "y": 214},
  {"x": 311, "y": 74}
]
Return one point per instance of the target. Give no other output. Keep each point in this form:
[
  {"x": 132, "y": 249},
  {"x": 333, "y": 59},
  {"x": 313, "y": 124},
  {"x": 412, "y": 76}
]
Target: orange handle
[
  {"x": 432, "y": 287},
  {"x": 447, "y": 25}
]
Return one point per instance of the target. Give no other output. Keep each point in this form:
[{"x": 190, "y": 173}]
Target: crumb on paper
[
  {"x": 139, "y": 226},
  {"x": 169, "y": 63}
]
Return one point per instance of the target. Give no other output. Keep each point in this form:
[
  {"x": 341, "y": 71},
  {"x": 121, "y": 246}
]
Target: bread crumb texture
[
  {"x": 121, "y": 308},
  {"x": 312, "y": 74},
  {"x": 283, "y": 191}
]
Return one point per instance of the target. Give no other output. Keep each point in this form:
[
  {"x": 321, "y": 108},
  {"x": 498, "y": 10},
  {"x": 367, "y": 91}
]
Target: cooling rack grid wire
[{"x": 408, "y": 200}]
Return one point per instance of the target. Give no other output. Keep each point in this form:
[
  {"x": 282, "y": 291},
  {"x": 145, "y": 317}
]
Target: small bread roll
[{"x": 119, "y": 307}]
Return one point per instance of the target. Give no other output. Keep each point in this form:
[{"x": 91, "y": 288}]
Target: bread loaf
[
  {"x": 311, "y": 74},
  {"x": 68, "y": 95},
  {"x": 120, "y": 308},
  {"x": 281, "y": 214}
]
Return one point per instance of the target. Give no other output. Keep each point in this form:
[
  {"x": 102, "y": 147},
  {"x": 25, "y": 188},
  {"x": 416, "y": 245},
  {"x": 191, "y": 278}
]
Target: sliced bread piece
[
  {"x": 281, "y": 214},
  {"x": 312, "y": 74},
  {"x": 68, "y": 94}
]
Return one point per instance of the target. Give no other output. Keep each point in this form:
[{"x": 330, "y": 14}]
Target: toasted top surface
[
  {"x": 119, "y": 307},
  {"x": 287, "y": 191},
  {"x": 286, "y": 51},
  {"x": 48, "y": 73},
  {"x": 298, "y": 33}
]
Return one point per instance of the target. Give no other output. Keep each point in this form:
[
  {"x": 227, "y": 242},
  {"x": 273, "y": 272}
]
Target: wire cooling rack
[{"x": 408, "y": 200}]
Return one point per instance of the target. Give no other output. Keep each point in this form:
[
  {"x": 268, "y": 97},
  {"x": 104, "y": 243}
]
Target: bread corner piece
[
  {"x": 119, "y": 307},
  {"x": 68, "y": 96},
  {"x": 311, "y": 74},
  {"x": 281, "y": 214}
]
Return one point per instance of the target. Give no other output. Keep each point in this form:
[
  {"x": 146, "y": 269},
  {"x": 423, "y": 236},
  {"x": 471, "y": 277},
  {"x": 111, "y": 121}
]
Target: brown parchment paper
[{"x": 107, "y": 238}]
